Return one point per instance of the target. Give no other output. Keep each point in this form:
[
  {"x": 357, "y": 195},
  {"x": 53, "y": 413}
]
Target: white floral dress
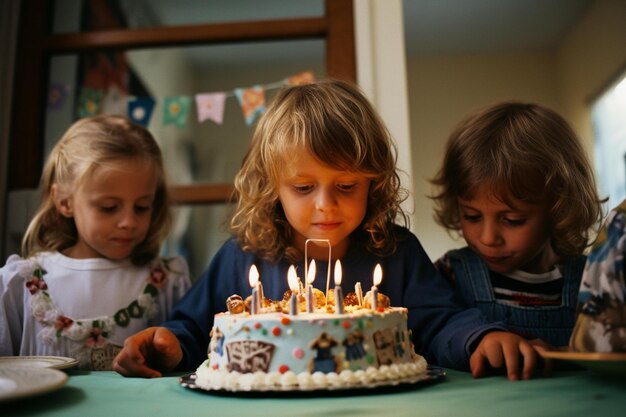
[{"x": 83, "y": 308}]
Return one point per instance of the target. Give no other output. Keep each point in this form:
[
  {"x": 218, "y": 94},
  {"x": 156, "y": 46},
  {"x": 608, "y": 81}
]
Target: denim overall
[{"x": 553, "y": 324}]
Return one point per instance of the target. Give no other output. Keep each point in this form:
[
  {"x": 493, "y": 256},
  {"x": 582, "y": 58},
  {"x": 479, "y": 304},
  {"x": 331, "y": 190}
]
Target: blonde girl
[{"x": 90, "y": 274}]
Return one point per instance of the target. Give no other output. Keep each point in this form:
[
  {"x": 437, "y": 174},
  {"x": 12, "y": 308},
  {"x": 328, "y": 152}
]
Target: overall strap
[{"x": 472, "y": 276}]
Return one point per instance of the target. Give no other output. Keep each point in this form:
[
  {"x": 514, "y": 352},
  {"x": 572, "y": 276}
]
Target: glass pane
[
  {"x": 107, "y": 14},
  {"x": 207, "y": 151},
  {"x": 609, "y": 127},
  {"x": 213, "y": 150}
]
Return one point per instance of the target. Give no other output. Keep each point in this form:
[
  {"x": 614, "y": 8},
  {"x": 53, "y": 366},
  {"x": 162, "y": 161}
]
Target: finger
[
  {"x": 548, "y": 364},
  {"x": 133, "y": 369},
  {"x": 529, "y": 355},
  {"x": 477, "y": 364},
  {"x": 167, "y": 350},
  {"x": 132, "y": 353},
  {"x": 511, "y": 360}
]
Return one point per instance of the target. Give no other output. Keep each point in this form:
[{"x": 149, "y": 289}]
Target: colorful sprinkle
[
  {"x": 283, "y": 368},
  {"x": 257, "y": 325},
  {"x": 285, "y": 321},
  {"x": 298, "y": 353},
  {"x": 276, "y": 331},
  {"x": 346, "y": 324},
  {"x": 264, "y": 332}
]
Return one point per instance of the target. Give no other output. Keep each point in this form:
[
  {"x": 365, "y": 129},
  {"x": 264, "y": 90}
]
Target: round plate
[
  {"x": 605, "y": 363},
  {"x": 25, "y": 381},
  {"x": 432, "y": 374},
  {"x": 56, "y": 362}
]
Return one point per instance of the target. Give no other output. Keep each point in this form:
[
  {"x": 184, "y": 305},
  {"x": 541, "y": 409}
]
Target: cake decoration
[{"x": 309, "y": 339}]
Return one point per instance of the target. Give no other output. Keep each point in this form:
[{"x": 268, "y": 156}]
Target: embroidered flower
[
  {"x": 42, "y": 308},
  {"x": 146, "y": 301},
  {"x": 122, "y": 318},
  {"x": 62, "y": 323},
  {"x": 135, "y": 310},
  {"x": 36, "y": 284},
  {"x": 95, "y": 337},
  {"x": 158, "y": 277}
]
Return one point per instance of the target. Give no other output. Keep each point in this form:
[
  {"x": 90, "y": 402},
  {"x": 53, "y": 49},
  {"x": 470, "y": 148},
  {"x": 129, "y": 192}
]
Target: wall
[
  {"x": 443, "y": 90},
  {"x": 592, "y": 56}
]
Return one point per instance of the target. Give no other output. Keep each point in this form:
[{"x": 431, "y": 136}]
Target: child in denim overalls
[{"x": 516, "y": 184}]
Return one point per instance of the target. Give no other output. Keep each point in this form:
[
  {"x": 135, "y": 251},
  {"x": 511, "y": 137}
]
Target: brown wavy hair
[
  {"x": 336, "y": 123},
  {"x": 87, "y": 144},
  {"x": 529, "y": 152}
]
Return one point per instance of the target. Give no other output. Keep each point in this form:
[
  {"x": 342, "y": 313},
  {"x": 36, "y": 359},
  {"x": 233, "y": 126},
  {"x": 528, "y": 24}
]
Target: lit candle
[
  {"x": 310, "y": 277},
  {"x": 292, "y": 280},
  {"x": 378, "y": 276},
  {"x": 338, "y": 292},
  {"x": 253, "y": 279},
  {"x": 359, "y": 293}
]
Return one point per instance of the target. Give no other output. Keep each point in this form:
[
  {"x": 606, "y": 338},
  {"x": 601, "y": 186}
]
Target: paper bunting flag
[
  {"x": 175, "y": 110},
  {"x": 114, "y": 101},
  {"x": 140, "y": 110},
  {"x": 57, "y": 96},
  {"x": 211, "y": 106},
  {"x": 252, "y": 102},
  {"x": 89, "y": 102},
  {"x": 305, "y": 77}
]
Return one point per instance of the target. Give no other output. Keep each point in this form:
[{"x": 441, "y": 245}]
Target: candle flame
[
  {"x": 337, "y": 272},
  {"x": 253, "y": 276},
  {"x": 378, "y": 274},
  {"x": 292, "y": 279},
  {"x": 311, "y": 273}
]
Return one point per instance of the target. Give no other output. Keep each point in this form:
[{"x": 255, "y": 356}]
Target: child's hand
[
  {"x": 498, "y": 349},
  {"x": 148, "y": 352}
]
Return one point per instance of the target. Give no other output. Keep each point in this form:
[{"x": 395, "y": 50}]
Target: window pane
[
  {"x": 609, "y": 126},
  {"x": 194, "y": 152}
]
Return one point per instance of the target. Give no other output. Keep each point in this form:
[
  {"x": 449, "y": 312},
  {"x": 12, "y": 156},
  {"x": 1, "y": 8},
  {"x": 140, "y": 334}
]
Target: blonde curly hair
[{"x": 334, "y": 122}]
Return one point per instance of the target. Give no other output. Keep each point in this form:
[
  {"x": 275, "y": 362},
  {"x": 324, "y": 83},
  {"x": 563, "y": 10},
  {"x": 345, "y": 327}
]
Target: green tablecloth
[{"x": 571, "y": 394}]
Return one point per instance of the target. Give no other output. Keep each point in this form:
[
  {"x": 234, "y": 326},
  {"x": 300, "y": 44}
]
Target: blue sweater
[{"x": 443, "y": 331}]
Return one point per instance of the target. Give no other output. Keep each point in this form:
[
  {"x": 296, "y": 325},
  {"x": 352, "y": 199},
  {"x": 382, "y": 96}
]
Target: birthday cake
[{"x": 298, "y": 348}]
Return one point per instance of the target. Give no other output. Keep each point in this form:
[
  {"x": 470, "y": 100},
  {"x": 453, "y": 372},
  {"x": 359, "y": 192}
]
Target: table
[{"x": 566, "y": 393}]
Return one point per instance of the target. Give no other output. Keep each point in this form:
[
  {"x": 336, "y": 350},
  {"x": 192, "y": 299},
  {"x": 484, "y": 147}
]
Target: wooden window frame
[{"x": 36, "y": 45}]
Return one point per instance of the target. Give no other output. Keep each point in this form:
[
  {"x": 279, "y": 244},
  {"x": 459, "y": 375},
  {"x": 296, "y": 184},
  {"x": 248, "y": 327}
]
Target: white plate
[
  {"x": 604, "y": 363},
  {"x": 24, "y": 381},
  {"x": 433, "y": 374},
  {"x": 56, "y": 362}
]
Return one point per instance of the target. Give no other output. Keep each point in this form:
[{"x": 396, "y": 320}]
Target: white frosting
[{"x": 234, "y": 381}]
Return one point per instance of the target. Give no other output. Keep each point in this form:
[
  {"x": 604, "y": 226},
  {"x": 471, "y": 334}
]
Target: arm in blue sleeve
[
  {"x": 192, "y": 319},
  {"x": 444, "y": 330}
]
